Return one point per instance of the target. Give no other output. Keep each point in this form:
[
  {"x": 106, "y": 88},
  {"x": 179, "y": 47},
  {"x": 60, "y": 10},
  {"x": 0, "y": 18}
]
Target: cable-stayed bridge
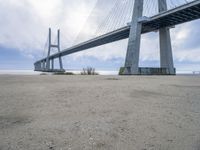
[{"x": 139, "y": 24}]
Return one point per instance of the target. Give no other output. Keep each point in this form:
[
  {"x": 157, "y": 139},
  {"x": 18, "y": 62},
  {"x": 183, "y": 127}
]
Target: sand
[{"x": 99, "y": 112}]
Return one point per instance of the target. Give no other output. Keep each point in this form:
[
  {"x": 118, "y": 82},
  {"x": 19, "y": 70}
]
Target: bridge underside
[{"x": 179, "y": 15}]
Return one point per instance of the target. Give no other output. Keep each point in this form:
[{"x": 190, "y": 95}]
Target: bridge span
[{"x": 164, "y": 20}]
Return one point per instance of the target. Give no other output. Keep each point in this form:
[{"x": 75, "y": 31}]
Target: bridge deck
[{"x": 178, "y": 15}]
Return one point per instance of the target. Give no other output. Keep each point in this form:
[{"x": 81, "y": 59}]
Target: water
[
  {"x": 31, "y": 72},
  {"x": 18, "y": 72},
  {"x": 101, "y": 72}
]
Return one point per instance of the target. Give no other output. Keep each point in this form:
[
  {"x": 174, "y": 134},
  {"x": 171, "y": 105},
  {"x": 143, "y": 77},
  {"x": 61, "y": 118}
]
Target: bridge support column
[
  {"x": 52, "y": 64},
  {"x": 38, "y": 66},
  {"x": 133, "y": 51},
  {"x": 60, "y": 59},
  {"x": 60, "y": 62},
  {"x": 166, "y": 57},
  {"x": 43, "y": 66},
  {"x": 49, "y": 49}
]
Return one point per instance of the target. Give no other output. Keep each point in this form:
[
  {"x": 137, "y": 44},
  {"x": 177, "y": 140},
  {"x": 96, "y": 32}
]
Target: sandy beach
[{"x": 99, "y": 112}]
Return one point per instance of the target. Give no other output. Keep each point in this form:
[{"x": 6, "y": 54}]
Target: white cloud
[{"x": 24, "y": 23}]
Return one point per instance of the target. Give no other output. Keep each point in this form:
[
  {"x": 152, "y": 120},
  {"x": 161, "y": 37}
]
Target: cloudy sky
[{"x": 24, "y": 28}]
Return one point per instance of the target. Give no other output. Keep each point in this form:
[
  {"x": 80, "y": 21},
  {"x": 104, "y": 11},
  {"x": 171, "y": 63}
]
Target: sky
[{"x": 24, "y": 29}]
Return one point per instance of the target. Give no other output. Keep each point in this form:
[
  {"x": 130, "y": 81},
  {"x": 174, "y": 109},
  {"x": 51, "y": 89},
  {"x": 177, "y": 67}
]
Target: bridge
[{"x": 162, "y": 22}]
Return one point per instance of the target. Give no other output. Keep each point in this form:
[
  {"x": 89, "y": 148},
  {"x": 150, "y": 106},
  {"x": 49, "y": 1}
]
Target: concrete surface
[{"x": 99, "y": 113}]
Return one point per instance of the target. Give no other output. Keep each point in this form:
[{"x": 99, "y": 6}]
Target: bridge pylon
[
  {"x": 47, "y": 65},
  {"x": 57, "y": 46},
  {"x": 133, "y": 50}
]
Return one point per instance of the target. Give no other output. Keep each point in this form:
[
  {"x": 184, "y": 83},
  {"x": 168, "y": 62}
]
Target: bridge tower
[
  {"x": 133, "y": 50},
  {"x": 50, "y": 46}
]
